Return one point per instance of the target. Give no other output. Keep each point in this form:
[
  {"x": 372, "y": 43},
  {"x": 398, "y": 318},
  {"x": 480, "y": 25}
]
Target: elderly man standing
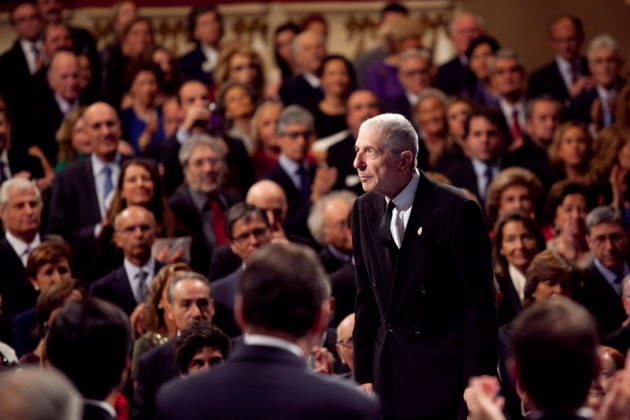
[
  {"x": 79, "y": 194},
  {"x": 309, "y": 51},
  {"x": 425, "y": 307},
  {"x": 20, "y": 210},
  {"x": 202, "y": 204}
]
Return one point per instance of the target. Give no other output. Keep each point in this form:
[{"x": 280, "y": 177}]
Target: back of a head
[
  {"x": 283, "y": 288},
  {"x": 89, "y": 341},
  {"x": 554, "y": 345}
]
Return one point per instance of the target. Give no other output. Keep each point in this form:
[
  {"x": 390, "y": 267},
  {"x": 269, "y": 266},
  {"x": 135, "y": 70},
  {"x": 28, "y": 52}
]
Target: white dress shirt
[
  {"x": 99, "y": 179},
  {"x": 29, "y": 53},
  {"x": 402, "y": 211},
  {"x": 132, "y": 273},
  {"x": 20, "y": 247}
]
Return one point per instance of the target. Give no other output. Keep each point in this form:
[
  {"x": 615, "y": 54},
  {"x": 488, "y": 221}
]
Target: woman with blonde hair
[
  {"x": 239, "y": 62},
  {"x": 72, "y": 139},
  {"x": 513, "y": 189},
  {"x": 263, "y": 135},
  {"x": 571, "y": 151}
]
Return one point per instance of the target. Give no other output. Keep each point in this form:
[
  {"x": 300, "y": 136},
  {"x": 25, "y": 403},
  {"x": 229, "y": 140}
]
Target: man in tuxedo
[
  {"x": 425, "y": 306},
  {"x": 451, "y": 76},
  {"x": 79, "y": 194},
  {"x": 554, "y": 360},
  {"x": 85, "y": 331},
  {"x": 205, "y": 29},
  {"x": 507, "y": 74},
  {"x": 608, "y": 241},
  {"x": 302, "y": 183},
  {"x": 202, "y": 204},
  {"x": 486, "y": 136},
  {"x": 248, "y": 230},
  {"x": 328, "y": 223},
  {"x": 597, "y": 105},
  {"x": 189, "y": 300},
  {"x": 267, "y": 376},
  {"x": 304, "y": 88},
  {"x": 361, "y": 105},
  {"x": 22, "y": 61},
  {"x": 415, "y": 73},
  {"x": 567, "y": 75},
  {"x": 15, "y": 163},
  {"x": 128, "y": 286},
  {"x": 20, "y": 211}
]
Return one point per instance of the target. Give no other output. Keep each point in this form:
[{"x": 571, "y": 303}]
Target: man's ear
[
  {"x": 406, "y": 158},
  {"x": 168, "y": 311}
]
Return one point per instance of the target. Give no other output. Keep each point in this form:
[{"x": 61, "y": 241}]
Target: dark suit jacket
[
  {"x": 510, "y": 304},
  {"x": 223, "y": 293},
  {"x": 296, "y": 90},
  {"x": 259, "y": 382},
  {"x": 462, "y": 174},
  {"x": 344, "y": 290},
  {"x": 24, "y": 341},
  {"x": 191, "y": 65},
  {"x": 299, "y": 207},
  {"x": 452, "y": 76},
  {"x": 115, "y": 288},
  {"x": 155, "y": 367},
  {"x": 185, "y": 210},
  {"x": 548, "y": 80},
  {"x": 19, "y": 162},
  {"x": 399, "y": 105},
  {"x": 330, "y": 262},
  {"x": 599, "y": 297},
  {"x": 428, "y": 323},
  {"x": 17, "y": 292},
  {"x": 341, "y": 156},
  {"x": 49, "y": 117},
  {"x": 74, "y": 212},
  {"x": 580, "y": 108}
]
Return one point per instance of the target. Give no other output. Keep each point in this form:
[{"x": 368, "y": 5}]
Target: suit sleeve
[
  {"x": 471, "y": 254},
  {"x": 61, "y": 216},
  {"x": 366, "y": 310}
]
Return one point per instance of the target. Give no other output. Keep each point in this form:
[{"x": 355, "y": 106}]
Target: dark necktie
[
  {"x": 488, "y": 175},
  {"x": 305, "y": 182},
  {"x": 217, "y": 216},
  {"x": 142, "y": 286},
  {"x": 617, "y": 284},
  {"x": 385, "y": 230}
]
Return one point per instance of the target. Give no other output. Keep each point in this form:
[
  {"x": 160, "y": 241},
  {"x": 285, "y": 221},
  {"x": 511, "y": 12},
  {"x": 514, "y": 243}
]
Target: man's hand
[
  {"x": 194, "y": 113},
  {"x": 368, "y": 388},
  {"x": 482, "y": 398},
  {"x": 583, "y": 83}
]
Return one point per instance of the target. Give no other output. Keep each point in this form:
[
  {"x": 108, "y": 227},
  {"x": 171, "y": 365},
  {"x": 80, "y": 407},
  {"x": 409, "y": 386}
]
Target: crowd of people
[{"x": 397, "y": 227}]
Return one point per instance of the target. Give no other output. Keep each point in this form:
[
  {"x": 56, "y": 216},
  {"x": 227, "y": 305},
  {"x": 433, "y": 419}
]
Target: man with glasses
[
  {"x": 608, "y": 241},
  {"x": 247, "y": 229},
  {"x": 301, "y": 181},
  {"x": 415, "y": 72},
  {"x": 128, "y": 286}
]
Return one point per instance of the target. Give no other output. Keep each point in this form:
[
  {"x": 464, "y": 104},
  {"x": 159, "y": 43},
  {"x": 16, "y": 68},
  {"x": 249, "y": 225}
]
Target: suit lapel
[
  {"x": 124, "y": 288},
  {"x": 89, "y": 184}
]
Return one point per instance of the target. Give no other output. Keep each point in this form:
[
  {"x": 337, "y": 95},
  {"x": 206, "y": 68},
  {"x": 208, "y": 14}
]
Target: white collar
[
  {"x": 518, "y": 280},
  {"x": 411, "y": 97},
  {"x": 212, "y": 58},
  {"x": 289, "y": 166},
  {"x": 64, "y": 106},
  {"x": 312, "y": 80},
  {"x": 4, "y": 157},
  {"x": 269, "y": 341},
  {"x": 404, "y": 199},
  {"x": 133, "y": 270},
  {"x": 19, "y": 246},
  {"x": 101, "y": 404},
  {"x": 98, "y": 165}
]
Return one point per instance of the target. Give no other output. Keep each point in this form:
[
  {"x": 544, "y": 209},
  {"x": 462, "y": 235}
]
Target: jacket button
[
  {"x": 416, "y": 330},
  {"x": 390, "y": 328}
]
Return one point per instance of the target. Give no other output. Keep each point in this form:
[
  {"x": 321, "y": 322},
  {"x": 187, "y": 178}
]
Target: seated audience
[
  {"x": 17, "y": 162},
  {"x": 513, "y": 189},
  {"x": 171, "y": 74},
  {"x": 345, "y": 345},
  {"x": 283, "y": 53},
  {"x": 201, "y": 347}
]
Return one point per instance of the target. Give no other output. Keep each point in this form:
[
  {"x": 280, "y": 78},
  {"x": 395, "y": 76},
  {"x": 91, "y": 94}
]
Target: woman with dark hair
[
  {"x": 141, "y": 123},
  {"x": 205, "y": 29},
  {"x": 478, "y": 88},
  {"x": 171, "y": 73},
  {"x": 283, "y": 37},
  {"x": 568, "y": 204},
  {"x": 516, "y": 240},
  {"x": 338, "y": 82},
  {"x": 237, "y": 104}
]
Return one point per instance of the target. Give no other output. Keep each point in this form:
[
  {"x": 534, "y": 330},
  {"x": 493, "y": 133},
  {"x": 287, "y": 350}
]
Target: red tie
[
  {"x": 218, "y": 223},
  {"x": 515, "y": 129}
]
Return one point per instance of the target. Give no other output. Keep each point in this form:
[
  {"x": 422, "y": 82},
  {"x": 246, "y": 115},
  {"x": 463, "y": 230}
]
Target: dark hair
[
  {"x": 90, "y": 341},
  {"x": 554, "y": 346},
  {"x": 483, "y": 39},
  {"x": 50, "y": 299},
  {"x": 242, "y": 211},
  {"x": 220, "y": 99},
  {"x": 352, "y": 85},
  {"x": 135, "y": 67},
  {"x": 194, "y": 15},
  {"x": 492, "y": 114},
  {"x": 500, "y": 262},
  {"x": 549, "y": 265},
  {"x": 130, "y": 25},
  {"x": 396, "y": 8},
  {"x": 48, "y": 252},
  {"x": 194, "y": 338},
  {"x": 280, "y": 294},
  {"x": 18, "y": 4},
  {"x": 285, "y": 69},
  {"x": 559, "y": 191}
]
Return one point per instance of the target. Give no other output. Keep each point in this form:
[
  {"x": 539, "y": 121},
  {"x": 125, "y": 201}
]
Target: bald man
[
  {"x": 345, "y": 346},
  {"x": 80, "y": 191},
  {"x": 127, "y": 286}
]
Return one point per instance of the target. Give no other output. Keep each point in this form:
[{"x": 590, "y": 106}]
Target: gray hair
[
  {"x": 189, "y": 275},
  {"x": 416, "y": 53},
  {"x": 433, "y": 93},
  {"x": 253, "y": 125},
  {"x": 39, "y": 394},
  {"x": 531, "y": 103},
  {"x": 396, "y": 134},
  {"x": 17, "y": 184},
  {"x": 315, "y": 220},
  {"x": 294, "y": 114},
  {"x": 480, "y": 20},
  {"x": 196, "y": 141},
  {"x": 603, "y": 214},
  {"x": 505, "y": 53},
  {"x": 602, "y": 42},
  {"x": 298, "y": 38}
]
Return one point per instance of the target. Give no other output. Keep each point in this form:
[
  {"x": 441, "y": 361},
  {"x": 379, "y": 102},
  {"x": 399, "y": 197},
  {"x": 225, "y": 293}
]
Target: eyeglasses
[
  {"x": 257, "y": 233},
  {"x": 346, "y": 342},
  {"x": 614, "y": 238},
  {"x": 297, "y": 134},
  {"x": 411, "y": 73}
]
